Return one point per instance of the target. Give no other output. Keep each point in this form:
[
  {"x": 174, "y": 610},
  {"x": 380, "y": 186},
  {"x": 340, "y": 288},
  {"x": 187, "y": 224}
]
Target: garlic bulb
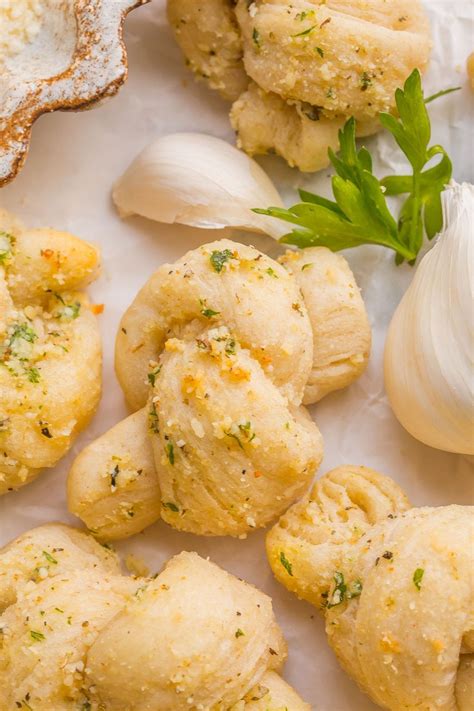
[
  {"x": 201, "y": 181},
  {"x": 428, "y": 353}
]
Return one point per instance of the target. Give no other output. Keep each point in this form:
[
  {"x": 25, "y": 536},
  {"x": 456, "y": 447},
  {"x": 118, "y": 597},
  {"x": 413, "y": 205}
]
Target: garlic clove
[
  {"x": 429, "y": 348},
  {"x": 200, "y": 181}
]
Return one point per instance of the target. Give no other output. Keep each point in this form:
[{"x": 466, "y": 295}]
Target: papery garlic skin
[
  {"x": 201, "y": 181},
  {"x": 429, "y": 348}
]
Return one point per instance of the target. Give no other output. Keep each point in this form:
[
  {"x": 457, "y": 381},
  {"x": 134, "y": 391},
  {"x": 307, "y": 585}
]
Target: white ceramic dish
[{"x": 77, "y": 58}]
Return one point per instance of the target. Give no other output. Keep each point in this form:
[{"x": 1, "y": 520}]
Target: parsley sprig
[{"x": 360, "y": 213}]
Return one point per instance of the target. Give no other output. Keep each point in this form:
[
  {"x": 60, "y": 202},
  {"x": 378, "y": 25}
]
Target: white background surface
[{"x": 66, "y": 183}]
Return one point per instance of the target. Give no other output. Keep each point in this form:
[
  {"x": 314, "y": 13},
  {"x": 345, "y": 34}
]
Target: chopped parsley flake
[
  {"x": 232, "y": 435},
  {"x": 239, "y": 633},
  {"x": 37, "y": 636},
  {"x": 50, "y": 558},
  {"x": 113, "y": 477},
  {"x": 365, "y": 81},
  {"x": 243, "y": 430},
  {"x": 230, "y": 346},
  {"x": 246, "y": 430},
  {"x": 208, "y": 313},
  {"x": 310, "y": 111},
  {"x": 339, "y": 593},
  {"x": 305, "y": 32},
  {"x": 170, "y": 505},
  {"x": 24, "y": 332},
  {"x": 256, "y": 38},
  {"x": 342, "y": 592},
  {"x": 6, "y": 243},
  {"x": 33, "y": 375},
  {"x": 355, "y": 590},
  {"x": 153, "y": 375},
  {"x": 286, "y": 563},
  {"x": 153, "y": 420},
  {"x": 271, "y": 272},
  {"x": 219, "y": 258},
  {"x": 303, "y": 15},
  {"x": 319, "y": 51},
  {"x": 418, "y": 577},
  {"x": 169, "y": 449},
  {"x": 71, "y": 311}
]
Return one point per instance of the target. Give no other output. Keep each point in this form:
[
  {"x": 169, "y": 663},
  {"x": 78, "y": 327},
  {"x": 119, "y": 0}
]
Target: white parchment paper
[{"x": 66, "y": 183}]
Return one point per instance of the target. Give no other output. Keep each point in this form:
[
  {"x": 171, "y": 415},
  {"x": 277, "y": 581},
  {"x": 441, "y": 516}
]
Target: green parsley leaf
[
  {"x": 360, "y": 213},
  {"x": 37, "y": 636},
  {"x": 239, "y": 633},
  {"x": 418, "y": 577},
  {"x": 286, "y": 563},
  {"x": 218, "y": 259},
  {"x": 271, "y": 272}
]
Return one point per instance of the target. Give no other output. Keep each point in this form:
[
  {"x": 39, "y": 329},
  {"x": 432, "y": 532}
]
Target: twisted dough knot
[
  {"x": 50, "y": 352},
  {"x": 395, "y": 584},
  {"x": 232, "y": 343},
  {"x": 78, "y": 634},
  {"x": 296, "y": 71}
]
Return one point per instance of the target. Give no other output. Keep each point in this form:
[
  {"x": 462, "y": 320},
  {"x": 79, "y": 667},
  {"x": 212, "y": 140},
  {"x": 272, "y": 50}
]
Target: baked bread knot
[
  {"x": 50, "y": 350},
  {"x": 219, "y": 350},
  {"x": 76, "y": 634},
  {"x": 395, "y": 585},
  {"x": 296, "y": 71}
]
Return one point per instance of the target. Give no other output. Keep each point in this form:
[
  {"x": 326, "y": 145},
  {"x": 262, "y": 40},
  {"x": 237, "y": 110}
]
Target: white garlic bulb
[
  {"x": 201, "y": 181},
  {"x": 429, "y": 349}
]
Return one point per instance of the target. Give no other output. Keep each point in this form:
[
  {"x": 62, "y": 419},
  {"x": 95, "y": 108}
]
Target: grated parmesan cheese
[{"x": 20, "y": 22}]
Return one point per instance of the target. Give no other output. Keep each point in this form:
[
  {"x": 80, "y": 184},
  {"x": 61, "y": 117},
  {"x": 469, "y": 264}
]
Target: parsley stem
[
  {"x": 405, "y": 251},
  {"x": 444, "y": 92},
  {"x": 415, "y": 231}
]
